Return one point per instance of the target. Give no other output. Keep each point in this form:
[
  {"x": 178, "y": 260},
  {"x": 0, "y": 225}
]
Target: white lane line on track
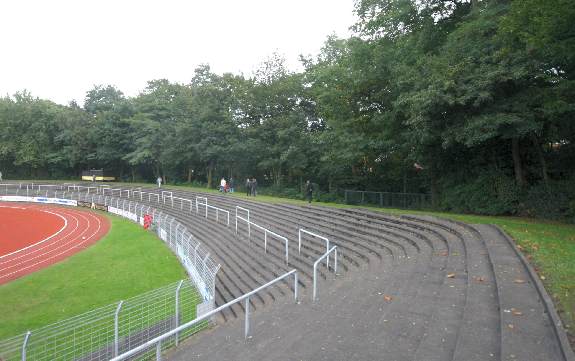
[
  {"x": 42, "y": 241},
  {"x": 47, "y": 245},
  {"x": 44, "y": 260}
]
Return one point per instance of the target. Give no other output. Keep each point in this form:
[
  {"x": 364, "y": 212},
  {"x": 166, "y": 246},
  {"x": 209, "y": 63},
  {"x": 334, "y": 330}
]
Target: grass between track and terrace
[{"x": 126, "y": 262}]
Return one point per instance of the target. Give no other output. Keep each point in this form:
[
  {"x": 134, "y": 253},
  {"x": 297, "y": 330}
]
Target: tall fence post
[
  {"x": 204, "y": 263},
  {"x": 116, "y": 328},
  {"x": 24, "y": 345},
  {"x": 178, "y": 309}
]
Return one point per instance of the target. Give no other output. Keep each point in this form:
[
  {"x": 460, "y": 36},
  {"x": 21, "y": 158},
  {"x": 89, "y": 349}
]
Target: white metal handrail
[
  {"x": 208, "y": 206},
  {"x": 165, "y": 195},
  {"x": 248, "y": 213},
  {"x": 325, "y": 255},
  {"x": 301, "y": 230},
  {"x": 182, "y": 200},
  {"x": 266, "y": 232},
  {"x": 198, "y": 204},
  {"x": 158, "y": 340}
]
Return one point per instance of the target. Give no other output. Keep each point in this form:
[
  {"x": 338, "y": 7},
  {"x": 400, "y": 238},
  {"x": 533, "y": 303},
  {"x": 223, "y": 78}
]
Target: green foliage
[
  {"x": 458, "y": 87},
  {"x": 491, "y": 193},
  {"x": 555, "y": 200}
]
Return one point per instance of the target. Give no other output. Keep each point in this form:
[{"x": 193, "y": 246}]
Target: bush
[
  {"x": 553, "y": 201},
  {"x": 490, "y": 194}
]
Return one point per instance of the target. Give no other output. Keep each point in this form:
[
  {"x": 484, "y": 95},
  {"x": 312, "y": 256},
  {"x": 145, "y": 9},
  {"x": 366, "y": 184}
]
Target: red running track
[{"x": 33, "y": 237}]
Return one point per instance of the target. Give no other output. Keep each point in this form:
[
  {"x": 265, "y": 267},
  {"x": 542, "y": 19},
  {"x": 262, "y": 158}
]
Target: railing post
[
  {"x": 116, "y": 328},
  {"x": 335, "y": 265},
  {"x": 381, "y": 200},
  {"x": 236, "y": 220},
  {"x": 159, "y": 351},
  {"x": 295, "y": 286},
  {"x": 299, "y": 241},
  {"x": 178, "y": 309},
  {"x": 362, "y": 197},
  {"x": 287, "y": 252},
  {"x": 25, "y": 340},
  {"x": 247, "y": 323},
  {"x": 314, "y": 280}
]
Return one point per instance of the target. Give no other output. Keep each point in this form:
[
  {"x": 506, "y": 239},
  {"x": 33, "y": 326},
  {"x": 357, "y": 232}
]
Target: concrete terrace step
[
  {"x": 413, "y": 288},
  {"x": 528, "y": 330}
]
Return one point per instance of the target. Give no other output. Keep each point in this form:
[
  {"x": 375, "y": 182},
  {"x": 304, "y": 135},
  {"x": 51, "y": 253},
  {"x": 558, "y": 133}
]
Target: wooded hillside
[{"x": 472, "y": 101}]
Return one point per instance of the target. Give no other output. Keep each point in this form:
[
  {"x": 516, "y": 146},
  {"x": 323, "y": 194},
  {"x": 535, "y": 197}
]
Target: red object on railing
[{"x": 147, "y": 221}]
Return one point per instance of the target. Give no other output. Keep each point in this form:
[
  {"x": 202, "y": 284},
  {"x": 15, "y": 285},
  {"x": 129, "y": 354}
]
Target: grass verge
[{"x": 128, "y": 261}]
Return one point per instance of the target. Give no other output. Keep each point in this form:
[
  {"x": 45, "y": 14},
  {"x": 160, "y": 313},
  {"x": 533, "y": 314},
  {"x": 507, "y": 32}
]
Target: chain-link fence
[
  {"x": 389, "y": 199},
  {"x": 108, "y": 331}
]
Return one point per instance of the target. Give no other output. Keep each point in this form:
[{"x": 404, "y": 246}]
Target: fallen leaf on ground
[
  {"x": 388, "y": 298},
  {"x": 517, "y": 313},
  {"x": 451, "y": 275},
  {"x": 519, "y": 280},
  {"x": 519, "y": 247},
  {"x": 479, "y": 279},
  {"x": 511, "y": 326},
  {"x": 542, "y": 277}
]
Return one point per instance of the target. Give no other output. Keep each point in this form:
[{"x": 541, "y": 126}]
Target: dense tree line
[{"x": 472, "y": 101}]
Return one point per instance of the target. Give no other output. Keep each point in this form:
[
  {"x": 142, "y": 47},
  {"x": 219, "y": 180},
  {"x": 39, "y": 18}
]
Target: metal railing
[
  {"x": 103, "y": 333},
  {"x": 194, "y": 258},
  {"x": 316, "y": 263},
  {"x": 388, "y": 199},
  {"x": 265, "y": 230},
  {"x": 162, "y": 197},
  {"x": 108, "y": 331},
  {"x": 208, "y": 206},
  {"x": 158, "y": 341},
  {"x": 247, "y": 211},
  {"x": 299, "y": 233}
]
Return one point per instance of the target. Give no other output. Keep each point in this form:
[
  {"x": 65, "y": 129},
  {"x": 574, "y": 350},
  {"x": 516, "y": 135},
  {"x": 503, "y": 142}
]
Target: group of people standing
[
  {"x": 251, "y": 187},
  {"x": 227, "y": 186}
]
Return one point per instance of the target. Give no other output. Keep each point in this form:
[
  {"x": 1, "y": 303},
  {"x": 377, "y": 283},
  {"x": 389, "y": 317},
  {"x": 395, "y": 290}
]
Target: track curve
[{"x": 81, "y": 229}]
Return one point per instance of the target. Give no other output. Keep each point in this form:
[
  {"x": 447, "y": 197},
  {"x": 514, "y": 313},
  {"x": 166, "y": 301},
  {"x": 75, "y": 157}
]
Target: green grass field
[{"x": 128, "y": 261}]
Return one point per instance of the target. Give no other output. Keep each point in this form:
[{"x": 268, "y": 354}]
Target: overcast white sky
[{"x": 60, "y": 49}]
